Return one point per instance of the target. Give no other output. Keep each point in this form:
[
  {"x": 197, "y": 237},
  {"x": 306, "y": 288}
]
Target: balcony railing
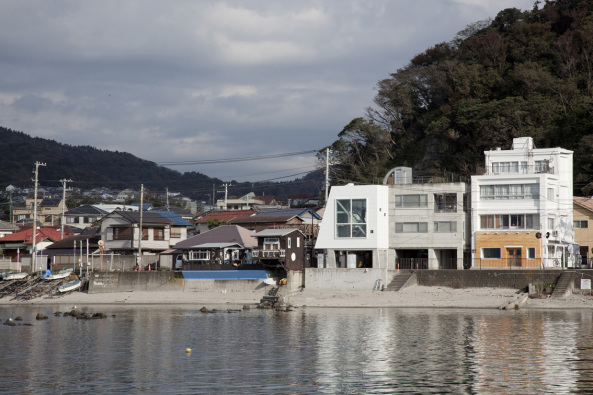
[{"x": 268, "y": 253}]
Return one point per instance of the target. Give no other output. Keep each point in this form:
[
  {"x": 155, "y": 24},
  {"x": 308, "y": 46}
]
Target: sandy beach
[{"x": 411, "y": 297}]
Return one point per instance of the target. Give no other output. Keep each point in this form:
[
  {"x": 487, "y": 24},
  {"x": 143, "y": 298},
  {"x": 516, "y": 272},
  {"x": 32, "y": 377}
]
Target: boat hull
[
  {"x": 15, "y": 276},
  {"x": 59, "y": 275},
  {"x": 71, "y": 286}
]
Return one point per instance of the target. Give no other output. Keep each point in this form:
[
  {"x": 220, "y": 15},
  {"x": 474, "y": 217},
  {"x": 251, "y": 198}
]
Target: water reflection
[{"x": 351, "y": 351}]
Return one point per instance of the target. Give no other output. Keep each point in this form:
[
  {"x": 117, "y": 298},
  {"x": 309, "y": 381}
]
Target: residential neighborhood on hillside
[{"x": 518, "y": 213}]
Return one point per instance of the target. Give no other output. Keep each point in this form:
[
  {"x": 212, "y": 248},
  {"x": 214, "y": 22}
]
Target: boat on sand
[
  {"x": 15, "y": 276},
  {"x": 70, "y": 286},
  {"x": 60, "y": 275}
]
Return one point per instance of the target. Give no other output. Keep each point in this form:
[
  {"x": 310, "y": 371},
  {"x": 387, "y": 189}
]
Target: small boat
[
  {"x": 60, "y": 275},
  {"x": 15, "y": 276},
  {"x": 70, "y": 286}
]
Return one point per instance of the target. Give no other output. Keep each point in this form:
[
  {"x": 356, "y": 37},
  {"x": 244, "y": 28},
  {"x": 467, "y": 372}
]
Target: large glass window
[
  {"x": 509, "y": 221},
  {"x": 351, "y": 218},
  {"x": 511, "y": 191},
  {"x": 411, "y": 200}
]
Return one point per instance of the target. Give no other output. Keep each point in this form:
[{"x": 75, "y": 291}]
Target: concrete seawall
[
  {"x": 328, "y": 279},
  {"x": 514, "y": 279},
  {"x": 134, "y": 281},
  {"x": 104, "y": 282}
]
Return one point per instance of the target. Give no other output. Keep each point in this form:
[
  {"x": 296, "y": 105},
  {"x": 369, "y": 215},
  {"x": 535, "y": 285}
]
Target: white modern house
[
  {"x": 522, "y": 208},
  {"x": 355, "y": 229},
  {"x": 370, "y": 231}
]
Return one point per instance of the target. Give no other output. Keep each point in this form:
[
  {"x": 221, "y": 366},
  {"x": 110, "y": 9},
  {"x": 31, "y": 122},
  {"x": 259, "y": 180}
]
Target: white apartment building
[{"x": 522, "y": 208}]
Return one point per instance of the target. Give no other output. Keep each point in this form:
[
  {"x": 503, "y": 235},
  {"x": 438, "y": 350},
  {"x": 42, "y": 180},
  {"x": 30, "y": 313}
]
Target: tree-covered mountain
[
  {"x": 91, "y": 167},
  {"x": 521, "y": 74}
]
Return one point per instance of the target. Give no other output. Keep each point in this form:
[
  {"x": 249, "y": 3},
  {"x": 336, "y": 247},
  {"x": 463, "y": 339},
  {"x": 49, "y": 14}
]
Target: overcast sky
[{"x": 194, "y": 80}]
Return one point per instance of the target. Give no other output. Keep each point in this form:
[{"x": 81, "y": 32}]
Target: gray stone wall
[{"x": 516, "y": 279}]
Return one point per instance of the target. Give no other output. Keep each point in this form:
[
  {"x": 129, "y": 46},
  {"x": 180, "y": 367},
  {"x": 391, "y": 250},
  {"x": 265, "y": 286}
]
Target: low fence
[
  {"x": 425, "y": 263},
  {"x": 523, "y": 263}
]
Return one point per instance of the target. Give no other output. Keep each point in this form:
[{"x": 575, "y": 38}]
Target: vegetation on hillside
[
  {"x": 90, "y": 167},
  {"x": 521, "y": 74}
]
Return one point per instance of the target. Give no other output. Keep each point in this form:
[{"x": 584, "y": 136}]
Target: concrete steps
[
  {"x": 401, "y": 280},
  {"x": 564, "y": 285}
]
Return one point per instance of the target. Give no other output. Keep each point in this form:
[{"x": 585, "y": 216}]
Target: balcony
[{"x": 268, "y": 254}]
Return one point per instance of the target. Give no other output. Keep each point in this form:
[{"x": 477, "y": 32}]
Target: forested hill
[
  {"x": 90, "y": 167},
  {"x": 521, "y": 74}
]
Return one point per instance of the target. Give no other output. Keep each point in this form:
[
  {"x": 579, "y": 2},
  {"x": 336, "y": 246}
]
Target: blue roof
[{"x": 172, "y": 216}]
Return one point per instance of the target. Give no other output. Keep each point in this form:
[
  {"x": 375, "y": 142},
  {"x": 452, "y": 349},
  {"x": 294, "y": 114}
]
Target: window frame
[
  {"x": 580, "y": 224},
  {"x": 452, "y": 226},
  {"x": 122, "y": 233},
  {"x": 407, "y": 227},
  {"x": 351, "y": 218},
  {"x": 491, "y": 249}
]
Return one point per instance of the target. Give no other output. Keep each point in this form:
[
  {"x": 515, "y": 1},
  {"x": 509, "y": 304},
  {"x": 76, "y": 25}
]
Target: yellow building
[{"x": 583, "y": 233}]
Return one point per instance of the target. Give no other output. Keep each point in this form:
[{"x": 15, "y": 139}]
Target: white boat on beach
[
  {"x": 15, "y": 276},
  {"x": 60, "y": 275},
  {"x": 70, "y": 286}
]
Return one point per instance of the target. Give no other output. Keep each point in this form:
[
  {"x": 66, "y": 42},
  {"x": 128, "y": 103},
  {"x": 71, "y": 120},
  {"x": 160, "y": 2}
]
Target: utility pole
[
  {"x": 63, "y": 181},
  {"x": 226, "y": 191},
  {"x": 167, "y": 192},
  {"x": 34, "y": 242},
  {"x": 11, "y": 218},
  {"x": 326, "y": 174},
  {"x": 141, "y": 210}
]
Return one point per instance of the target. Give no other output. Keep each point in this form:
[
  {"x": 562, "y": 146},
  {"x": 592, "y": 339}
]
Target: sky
[{"x": 181, "y": 82}]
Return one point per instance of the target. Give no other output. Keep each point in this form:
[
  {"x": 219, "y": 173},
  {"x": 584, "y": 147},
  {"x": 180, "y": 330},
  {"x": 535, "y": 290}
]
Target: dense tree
[{"x": 520, "y": 74}]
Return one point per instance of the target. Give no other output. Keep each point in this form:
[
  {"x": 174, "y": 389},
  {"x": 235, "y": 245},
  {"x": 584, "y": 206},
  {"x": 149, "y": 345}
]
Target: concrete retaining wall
[
  {"x": 101, "y": 282},
  {"x": 515, "y": 279},
  {"x": 345, "y": 279},
  {"x": 325, "y": 279},
  {"x": 134, "y": 281},
  {"x": 224, "y": 286}
]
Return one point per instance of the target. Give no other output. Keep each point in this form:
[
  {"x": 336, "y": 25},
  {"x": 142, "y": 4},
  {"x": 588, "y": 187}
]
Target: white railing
[{"x": 268, "y": 253}]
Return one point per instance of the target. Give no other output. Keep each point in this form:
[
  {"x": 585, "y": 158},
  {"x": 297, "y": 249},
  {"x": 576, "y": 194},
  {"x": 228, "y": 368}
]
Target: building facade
[{"x": 522, "y": 208}]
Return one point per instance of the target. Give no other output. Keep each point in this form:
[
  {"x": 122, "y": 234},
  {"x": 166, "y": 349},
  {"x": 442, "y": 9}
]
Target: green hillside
[
  {"x": 521, "y": 74},
  {"x": 90, "y": 167}
]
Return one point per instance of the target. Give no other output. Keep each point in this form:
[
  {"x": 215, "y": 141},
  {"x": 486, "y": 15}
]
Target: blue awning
[{"x": 224, "y": 274}]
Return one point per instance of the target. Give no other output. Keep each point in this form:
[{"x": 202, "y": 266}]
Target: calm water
[{"x": 308, "y": 351}]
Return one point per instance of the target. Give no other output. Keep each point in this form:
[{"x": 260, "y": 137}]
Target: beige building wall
[
  {"x": 583, "y": 236},
  {"x": 508, "y": 240}
]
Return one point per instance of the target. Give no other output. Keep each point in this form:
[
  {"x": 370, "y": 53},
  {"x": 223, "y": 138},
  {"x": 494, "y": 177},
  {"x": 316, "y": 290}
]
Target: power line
[{"x": 229, "y": 160}]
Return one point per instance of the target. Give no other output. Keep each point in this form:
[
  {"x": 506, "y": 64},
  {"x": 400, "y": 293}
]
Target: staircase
[
  {"x": 564, "y": 285},
  {"x": 401, "y": 280}
]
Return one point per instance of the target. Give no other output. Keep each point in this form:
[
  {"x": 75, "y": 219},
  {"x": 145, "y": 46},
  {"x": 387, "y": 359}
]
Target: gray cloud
[{"x": 190, "y": 80}]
